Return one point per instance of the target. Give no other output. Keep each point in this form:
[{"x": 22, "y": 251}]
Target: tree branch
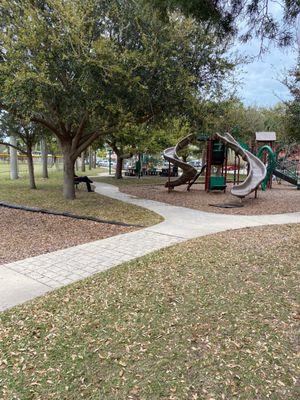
[
  {"x": 38, "y": 120},
  {"x": 79, "y": 132},
  {"x": 84, "y": 145},
  {"x": 118, "y": 152},
  {"x": 14, "y": 147},
  {"x": 48, "y": 125}
]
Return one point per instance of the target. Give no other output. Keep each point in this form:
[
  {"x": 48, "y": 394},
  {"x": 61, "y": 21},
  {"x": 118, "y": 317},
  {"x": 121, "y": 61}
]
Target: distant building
[{"x": 265, "y": 136}]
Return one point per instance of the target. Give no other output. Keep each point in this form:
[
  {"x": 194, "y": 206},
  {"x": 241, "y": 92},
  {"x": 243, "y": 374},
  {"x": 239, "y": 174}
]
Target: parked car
[
  {"x": 102, "y": 163},
  {"x": 105, "y": 163},
  {"x": 195, "y": 163},
  {"x": 231, "y": 168}
]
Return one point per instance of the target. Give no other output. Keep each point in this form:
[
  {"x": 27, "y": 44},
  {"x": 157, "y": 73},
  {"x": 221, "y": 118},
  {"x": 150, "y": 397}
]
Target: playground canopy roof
[{"x": 265, "y": 136}]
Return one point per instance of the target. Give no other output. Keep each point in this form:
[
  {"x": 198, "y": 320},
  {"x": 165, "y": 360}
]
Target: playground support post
[
  {"x": 239, "y": 166},
  {"x": 226, "y": 161},
  {"x": 235, "y": 167},
  {"x": 208, "y": 164}
]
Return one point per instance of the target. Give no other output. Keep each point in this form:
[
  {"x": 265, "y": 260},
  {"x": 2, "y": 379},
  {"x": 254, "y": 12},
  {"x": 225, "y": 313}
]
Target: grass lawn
[
  {"x": 49, "y": 196},
  {"x": 23, "y": 170},
  {"x": 132, "y": 180},
  {"x": 148, "y": 180},
  {"x": 4, "y": 169},
  {"x": 213, "y": 318}
]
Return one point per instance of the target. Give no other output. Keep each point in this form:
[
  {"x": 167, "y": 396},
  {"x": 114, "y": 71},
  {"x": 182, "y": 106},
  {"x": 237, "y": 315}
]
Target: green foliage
[
  {"x": 112, "y": 61},
  {"x": 233, "y": 116},
  {"x": 293, "y": 119},
  {"x": 91, "y": 68},
  {"x": 58, "y": 63},
  {"x": 293, "y": 107},
  {"x": 175, "y": 63},
  {"x": 27, "y": 135},
  {"x": 169, "y": 133}
]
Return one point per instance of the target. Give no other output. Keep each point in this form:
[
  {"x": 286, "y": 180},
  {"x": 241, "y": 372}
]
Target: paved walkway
[{"x": 26, "y": 279}]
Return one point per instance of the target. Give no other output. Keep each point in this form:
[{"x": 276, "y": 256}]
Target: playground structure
[
  {"x": 189, "y": 173},
  {"x": 260, "y": 168},
  {"x": 281, "y": 167},
  {"x": 256, "y": 168},
  {"x": 278, "y": 159}
]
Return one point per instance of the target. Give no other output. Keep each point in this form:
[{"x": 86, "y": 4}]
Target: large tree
[
  {"x": 85, "y": 69},
  {"x": 60, "y": 69},
  {"x": 181, "y": 62}
]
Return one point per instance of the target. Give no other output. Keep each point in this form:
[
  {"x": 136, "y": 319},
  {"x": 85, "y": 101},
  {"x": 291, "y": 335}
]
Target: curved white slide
[
  {"x": 188, "y": 172},
  {"x": 257, "y": 169}
]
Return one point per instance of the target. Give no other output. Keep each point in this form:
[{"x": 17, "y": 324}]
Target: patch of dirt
[
  {"x": 282, "y": 198},
  {"x": 26, "y": 234}
]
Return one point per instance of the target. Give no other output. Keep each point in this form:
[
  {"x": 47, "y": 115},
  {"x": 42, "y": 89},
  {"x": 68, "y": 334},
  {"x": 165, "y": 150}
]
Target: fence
[
  {"x": 52, "y": 161},
  {"x": 5, "y": 158}
]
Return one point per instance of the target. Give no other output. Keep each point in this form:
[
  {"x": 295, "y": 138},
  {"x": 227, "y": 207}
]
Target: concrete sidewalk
[
  {"x": 26, "y": 279},
  {"x": 188, "y": 223}
]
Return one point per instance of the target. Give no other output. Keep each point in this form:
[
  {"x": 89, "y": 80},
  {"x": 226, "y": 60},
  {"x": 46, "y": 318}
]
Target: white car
[
  {"x": 195, "y": 163},
  {"x": 103, "y": 163}
]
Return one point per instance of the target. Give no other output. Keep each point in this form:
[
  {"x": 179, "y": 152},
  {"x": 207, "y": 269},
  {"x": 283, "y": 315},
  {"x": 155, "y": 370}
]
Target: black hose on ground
[{"x": 66, "y": 214}]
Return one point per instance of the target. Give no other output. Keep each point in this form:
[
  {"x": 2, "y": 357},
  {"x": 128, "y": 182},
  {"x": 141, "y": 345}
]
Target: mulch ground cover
[
  {"x": 26, "y": 234},
  {"x": 283, "y": 198}
]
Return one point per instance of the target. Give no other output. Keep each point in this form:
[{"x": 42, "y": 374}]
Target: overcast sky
[{"x": 261, "y": 78}]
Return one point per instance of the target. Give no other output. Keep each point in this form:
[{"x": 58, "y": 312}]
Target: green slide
[
  {"x": 270, "y": 166},
  {"x": 283, "y": 169}
]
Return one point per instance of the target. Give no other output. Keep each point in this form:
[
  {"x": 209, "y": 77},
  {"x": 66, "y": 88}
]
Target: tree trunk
[
  {"x": 13, "y": 159},
  {"x": 32, "y": 184},
  {"x": 69, "y": 188},
  {"x": 83, "y": 161},
  {"x": 56, "y": 162},
  {"x": 94, "y": 159},
  {"x": 76, "y": 165},
  {"x": 44, "y": 152},
  {"x": 119, "y": 167},
  {"x": 90, "y": 158}
]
